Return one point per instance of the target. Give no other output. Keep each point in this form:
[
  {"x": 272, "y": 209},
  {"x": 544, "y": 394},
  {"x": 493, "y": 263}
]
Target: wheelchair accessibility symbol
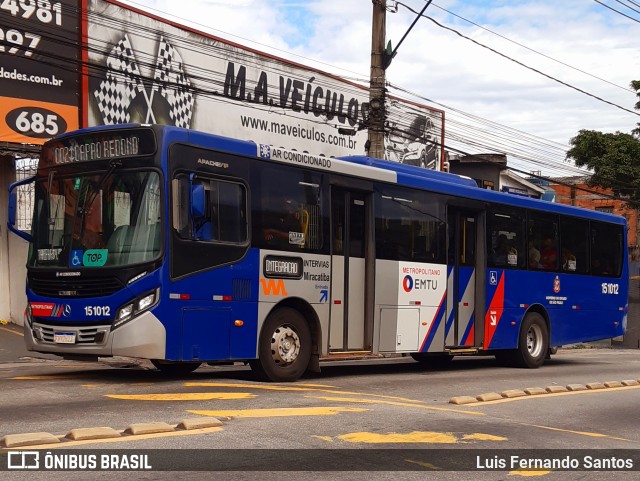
[
  {"x": 76, "y": 258},
  {"x": 493, "y": 278}
]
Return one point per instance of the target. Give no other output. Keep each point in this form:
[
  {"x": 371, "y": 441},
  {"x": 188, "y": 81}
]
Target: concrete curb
[
  {"x": 97, "y": 433},
  {"x": 538, "y": 391}
]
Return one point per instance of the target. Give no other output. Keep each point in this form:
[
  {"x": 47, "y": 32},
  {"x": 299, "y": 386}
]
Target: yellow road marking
[
  {"x": 431, "y": 437},
  {"x": 393, "y": 403},
  {"x": 529, "y": 472},
  {"x": 47, "y": 377},
  {"x": 413, "y": 437},
  {"x": 12, "y": 331},
  {"x": 187, "y": 396},
  {"x": 556, "y": 394},
  {"x": 271, "y": 387},
  {"x": 65, "y": 444},
  {"x": 277, "y": 412},
  {"x": 581, "y": 433},
  {"x": 317, "y": 385}
]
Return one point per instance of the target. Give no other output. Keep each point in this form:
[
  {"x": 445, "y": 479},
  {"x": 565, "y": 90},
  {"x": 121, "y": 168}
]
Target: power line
[
  {"x": 617, "y": 11},
  {"x": 523, "y": 64},
  {"x": 626, "y": 5},
  {"x": 531, "y": 49}
]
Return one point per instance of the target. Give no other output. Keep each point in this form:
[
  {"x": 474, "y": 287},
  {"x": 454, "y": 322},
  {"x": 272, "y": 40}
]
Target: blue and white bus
[{"x": 184, "y": 248}]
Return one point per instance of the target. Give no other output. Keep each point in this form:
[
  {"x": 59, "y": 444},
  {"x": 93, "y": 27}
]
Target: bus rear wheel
[
  {"x": 175, "y": 368},
  {"x": 533, "y": 344},
  {"x": 284, "y": 348}
]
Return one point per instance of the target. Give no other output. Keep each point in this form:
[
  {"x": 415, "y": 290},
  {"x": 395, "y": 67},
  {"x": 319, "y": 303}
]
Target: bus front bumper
[{"x": 143, "y": 337}]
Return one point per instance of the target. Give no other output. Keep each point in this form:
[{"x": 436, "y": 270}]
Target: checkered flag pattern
[
  {"x": 122, "y": 84},
  {"x": 171, "y": 81}
]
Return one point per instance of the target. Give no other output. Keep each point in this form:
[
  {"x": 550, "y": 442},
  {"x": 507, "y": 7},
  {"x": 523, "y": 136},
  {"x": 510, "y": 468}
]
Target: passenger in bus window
[
  {"x": 549, "y": 254},
  {"x": 534, "y": 256},
  {"x": 568, "y": 260},
  {"x": 502, "y": 251},
  {"x": 282, "y": 224}
]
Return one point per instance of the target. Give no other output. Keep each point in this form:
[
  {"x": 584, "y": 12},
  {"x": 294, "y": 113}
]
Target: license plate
[{"x": 64, "y": 337}]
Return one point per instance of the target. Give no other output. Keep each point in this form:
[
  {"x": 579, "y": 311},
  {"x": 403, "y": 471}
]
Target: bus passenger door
[
  {"x": 351, "y": 323},
  {"x": 461, "y": 278}
]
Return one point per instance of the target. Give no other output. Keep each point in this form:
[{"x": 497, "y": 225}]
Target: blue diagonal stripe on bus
[
  {"x": 463, "y": 342},
  {"x": 435, "y": 324}
]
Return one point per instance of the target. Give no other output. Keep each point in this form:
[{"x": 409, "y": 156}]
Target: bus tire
[
  {"x": 533, "y": 343},
  {"x": 175, "y": 368},
  {"x": 432, "y": 360},
  {"x": 284, "y": 348}
]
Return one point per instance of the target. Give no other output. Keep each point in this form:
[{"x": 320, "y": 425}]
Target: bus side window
[
  {"x": 505, "y": 238},
  {"x": 210, "y": 210},
  {"x": 544, "y": 236}
]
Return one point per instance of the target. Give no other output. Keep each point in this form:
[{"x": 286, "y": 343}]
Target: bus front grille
[
  {"x": 87, "y": 335},
  {"x": 65, "y": 287}
]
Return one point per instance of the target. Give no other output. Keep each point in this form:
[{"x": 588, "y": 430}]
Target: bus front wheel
[
  {"x": 284, "y": 348},
  {"x": 533, "y": 343}
]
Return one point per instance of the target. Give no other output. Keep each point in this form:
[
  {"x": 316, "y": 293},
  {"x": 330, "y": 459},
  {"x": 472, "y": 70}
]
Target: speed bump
[
  {"x": 535, "y": 391},
  {"x": 489, "y": 396},
  {"x": 576, "y": 387},
  {"x": 148, "y": 428},
  {"x": 555, "y": 389},
  {"x": 199, "y": 423},
  {"x": 595, "y": 385},
  {"x": 613, "y": 384},
  {"x": 463, "y": 400},
  {"x": 511, "y": 393},
  {"x": 83, "y": 434},
  {"x": 28, "y": 439}
]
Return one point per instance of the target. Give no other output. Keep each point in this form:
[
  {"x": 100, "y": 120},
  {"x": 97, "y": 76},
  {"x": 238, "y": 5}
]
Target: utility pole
[{"x": 375, "y": 122}]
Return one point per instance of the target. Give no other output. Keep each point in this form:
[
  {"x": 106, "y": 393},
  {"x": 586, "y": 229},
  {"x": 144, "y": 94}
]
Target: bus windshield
[{"x": 109, "y": 218}]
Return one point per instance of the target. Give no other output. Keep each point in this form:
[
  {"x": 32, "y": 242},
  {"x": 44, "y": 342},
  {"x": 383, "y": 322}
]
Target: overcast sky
[{"x": 439, "y": 65}]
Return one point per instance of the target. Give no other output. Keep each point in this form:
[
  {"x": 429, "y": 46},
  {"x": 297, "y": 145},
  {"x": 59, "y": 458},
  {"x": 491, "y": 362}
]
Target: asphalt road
[{"x": 390, "y": 405}]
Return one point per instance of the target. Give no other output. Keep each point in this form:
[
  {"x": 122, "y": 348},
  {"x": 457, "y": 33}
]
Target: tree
[{"x": 613, "y": 158}]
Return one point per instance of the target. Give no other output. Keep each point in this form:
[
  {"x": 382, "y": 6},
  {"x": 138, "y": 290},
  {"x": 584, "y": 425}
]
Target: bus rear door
[{"x": 461, "y": 327}]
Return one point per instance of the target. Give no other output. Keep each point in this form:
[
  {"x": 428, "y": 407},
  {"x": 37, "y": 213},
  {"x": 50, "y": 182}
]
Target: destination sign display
[{"x": 107, "y": 145}]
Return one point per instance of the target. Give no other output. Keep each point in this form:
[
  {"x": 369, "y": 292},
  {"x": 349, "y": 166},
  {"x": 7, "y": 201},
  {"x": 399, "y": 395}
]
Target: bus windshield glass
[{"x": 109, "y": 218}]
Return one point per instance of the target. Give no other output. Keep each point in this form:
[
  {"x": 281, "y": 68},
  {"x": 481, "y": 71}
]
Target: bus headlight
[
  {"x": 136, "y": 307},
  {"x": 146, "y": 301}
]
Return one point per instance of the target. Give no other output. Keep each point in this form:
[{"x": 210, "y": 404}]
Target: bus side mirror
[
  {"x": 13, "y": 209},
  {"x": 198, "y": 206},
  {"x": 13, "y": 205}
]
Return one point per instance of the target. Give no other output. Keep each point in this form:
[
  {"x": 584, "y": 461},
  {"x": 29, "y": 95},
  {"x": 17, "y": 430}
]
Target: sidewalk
[{"x": 12, "y": 346}]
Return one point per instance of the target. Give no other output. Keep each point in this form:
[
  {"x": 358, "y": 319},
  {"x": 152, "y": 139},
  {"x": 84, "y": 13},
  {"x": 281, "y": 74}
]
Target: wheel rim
[
  {"x": 285, "y": 345},
  {"x": 534, "y": 340}
]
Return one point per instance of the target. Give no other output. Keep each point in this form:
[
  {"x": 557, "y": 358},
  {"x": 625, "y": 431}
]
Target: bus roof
[
  {"x": 408, "y": 175},
  {"x": 447, "y": 183}
]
